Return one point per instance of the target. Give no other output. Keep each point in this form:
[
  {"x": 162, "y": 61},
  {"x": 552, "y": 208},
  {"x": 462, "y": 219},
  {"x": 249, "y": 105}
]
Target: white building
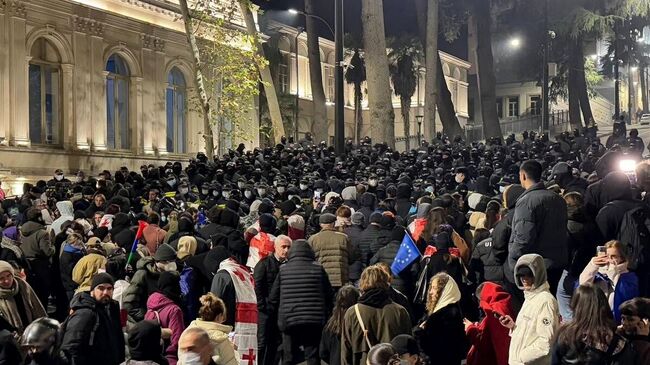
[{"x": 94, "y": 84}]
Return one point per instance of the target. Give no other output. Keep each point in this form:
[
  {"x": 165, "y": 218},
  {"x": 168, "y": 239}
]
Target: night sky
[{"x": 399, "y": 18}]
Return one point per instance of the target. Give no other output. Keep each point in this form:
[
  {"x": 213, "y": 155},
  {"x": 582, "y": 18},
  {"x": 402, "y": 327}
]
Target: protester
[
  {"x": 163, "y": 306},
  {"x": 41, "y": 342},
  {"x": 408, "y": 350},
  {"x": 330, "y": 345},
  {"x": 382, "y": 354},
  {"x": 194, "y": 347},
  {"x": 19, "y": 304},
  {"x": 144, "y": 344},
  {"x": 212, "y": 314},
  {"x": 635, "y": 326},
  {"x": 37, "y": 245},
  {"x": 333, "y": 250}
]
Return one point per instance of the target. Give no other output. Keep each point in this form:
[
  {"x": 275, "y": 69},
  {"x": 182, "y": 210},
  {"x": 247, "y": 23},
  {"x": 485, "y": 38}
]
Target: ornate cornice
[
  {"x": 150, "y": 7},
  {"x": 15, "y": 8},
  {"x": 87, "y": 25},
  {"x": 153, "y": 43}
]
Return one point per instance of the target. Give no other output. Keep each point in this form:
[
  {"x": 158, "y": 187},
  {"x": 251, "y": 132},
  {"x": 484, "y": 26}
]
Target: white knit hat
[{"x": 5, "y": 266}]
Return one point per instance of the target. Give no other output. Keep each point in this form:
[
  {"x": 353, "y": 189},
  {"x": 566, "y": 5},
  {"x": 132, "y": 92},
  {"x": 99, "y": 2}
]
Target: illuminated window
[
  {"x": 44, "y": 94},
  {"x": 117, "y": 103}
]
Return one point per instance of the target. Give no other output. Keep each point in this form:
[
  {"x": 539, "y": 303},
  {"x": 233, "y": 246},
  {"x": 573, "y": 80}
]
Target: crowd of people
[{"x": 515, "y": 251}]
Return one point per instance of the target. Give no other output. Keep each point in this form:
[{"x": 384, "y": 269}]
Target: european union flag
[{"x": 407, "y": 253}]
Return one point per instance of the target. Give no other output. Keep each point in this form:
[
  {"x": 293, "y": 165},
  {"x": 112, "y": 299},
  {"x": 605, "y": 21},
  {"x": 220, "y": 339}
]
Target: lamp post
[
  {"x": 419, "y": 119},
  {"x": 297, "y": 109},
  {"x": 337, "y": 32}
]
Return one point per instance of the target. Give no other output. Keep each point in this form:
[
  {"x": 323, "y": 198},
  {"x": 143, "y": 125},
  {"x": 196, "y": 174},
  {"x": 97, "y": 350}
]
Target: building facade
[{"x": 95, "y": 84}]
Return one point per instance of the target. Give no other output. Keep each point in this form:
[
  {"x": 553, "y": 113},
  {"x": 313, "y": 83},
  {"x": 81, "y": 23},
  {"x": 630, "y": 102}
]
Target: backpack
[{"x": 635, "y": 234}]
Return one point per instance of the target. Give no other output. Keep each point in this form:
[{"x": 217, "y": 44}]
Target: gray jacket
[{"x": 538, "y": 226}]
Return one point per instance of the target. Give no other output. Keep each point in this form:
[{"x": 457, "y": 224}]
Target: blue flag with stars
[{"x": 407, "y": 253}]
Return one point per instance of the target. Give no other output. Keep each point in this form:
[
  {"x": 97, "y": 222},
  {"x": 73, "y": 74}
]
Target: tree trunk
[
  {"x": 446, "y": 110},
  {"x": 265, "y": 75},
  {"x": 644, "y": 87},
  {"x": 319, "y": 121},
  {"x": 581, "y": 83},
  {"x": 485, "y": 69},
  {"x": 382, "y": 115},
  {"x": 432, "y": 74},
  {"x": 198, "y": 78},
  {"x": 358, "y": 111},
  {"x": 574, "y": 100},
  {"x": 406, "y": 109}
]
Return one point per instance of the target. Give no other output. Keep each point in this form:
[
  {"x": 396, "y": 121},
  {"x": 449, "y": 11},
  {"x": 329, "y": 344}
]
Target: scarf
[
  {"x": 245, "y": 339},
  {"x": 376, "y": 298},
  {"x": 450, "y": 295},
  {"x": 12, "y": 245},
  {"x": 9, "y": 309}
]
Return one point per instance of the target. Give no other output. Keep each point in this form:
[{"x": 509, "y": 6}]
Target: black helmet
[{"x": 42, "y": 336}]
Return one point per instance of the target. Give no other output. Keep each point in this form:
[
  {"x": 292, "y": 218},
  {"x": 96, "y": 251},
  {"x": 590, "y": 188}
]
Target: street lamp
[
  {"x": 419, "y": 118},
  {"x": 339, "y": 122},
  {"x": 515, "y": 42}
]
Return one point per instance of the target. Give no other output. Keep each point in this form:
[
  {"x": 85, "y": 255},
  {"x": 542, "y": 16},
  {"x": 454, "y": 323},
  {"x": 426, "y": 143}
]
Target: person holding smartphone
[{"x": 608, "y": 270}]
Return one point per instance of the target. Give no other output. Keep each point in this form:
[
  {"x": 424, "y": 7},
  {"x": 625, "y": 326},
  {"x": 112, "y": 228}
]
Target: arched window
[
  {"x": 117, "y": 103},
  {"x": 176, "y": 111},
  {"x": 44, "y": 94}
]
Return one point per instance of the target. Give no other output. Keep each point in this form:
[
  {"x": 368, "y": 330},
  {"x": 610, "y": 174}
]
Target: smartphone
[
  {"x": 601, "y": 251},
  {"x": 497, "y": 315}
]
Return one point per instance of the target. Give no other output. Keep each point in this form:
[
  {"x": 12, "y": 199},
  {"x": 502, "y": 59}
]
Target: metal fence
[{"x": 558, "y": 123}]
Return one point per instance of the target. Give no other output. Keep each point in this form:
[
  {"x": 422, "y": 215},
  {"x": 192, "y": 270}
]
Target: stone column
[
  {"x": 69, "y": 139},
  {"x": 98, "y": 93},
  {"x": 135, "y": 115},
  {"x": 18, "y": 81},
  {"x": 149, "y": 113},
  {"x": 82, "y": 84},
  {"x": 4, "y": 70},
  {"x": 160, "y": 120}
]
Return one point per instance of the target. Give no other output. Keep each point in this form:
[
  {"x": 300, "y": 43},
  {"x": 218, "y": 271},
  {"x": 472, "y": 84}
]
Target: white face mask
[
  {"x": 372, "y": 182},
  {"x": 205, "y": 191},
  {"x": 226, "y": 194},
  {"x": 502, "y": 189},
  {"x": 215, "y": 193},
  {"x": 184, "y": 190},
  {"x": 429, "y": 189},
  {"x": 303, "y": 187},
  {"x": 281, "y": 189},
  {"x": 261, "y": 192},
  {"x": 241, "y": 185},
  {"x": 171, "y": 182},
  {"x": 169, "y": 266},
  {"x": 248, "y": 194},
  {"x": 189, "y": 358},
  {"x": 58, "y": 177}
]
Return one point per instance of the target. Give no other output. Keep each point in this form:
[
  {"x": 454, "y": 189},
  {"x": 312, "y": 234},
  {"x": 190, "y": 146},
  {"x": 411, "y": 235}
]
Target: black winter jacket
[
  {"x": 265, "y": 274},
  {"x": 302, "y": 291},
  {"x": 93, "y": 333},
  {"x": 368, "y": 238},
  {"x": 144, "y": 282},
  {"x": 443, "y": 337},
  {"x": 223, "y": 287},
  {"x": 68, "y": 259},
  {"x": 382, "y": 240},
  {"x": 405, "y": 281},
  {"x": 354, "y": 234},
  {"x": 236, "y": 244},
  {"x": 486, "y": 264}
]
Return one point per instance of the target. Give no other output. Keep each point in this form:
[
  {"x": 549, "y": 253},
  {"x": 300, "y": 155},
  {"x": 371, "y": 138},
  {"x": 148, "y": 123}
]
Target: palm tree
[
  {"x": 356, "y": 74},
  {"x": 382, "y": 115},
  {"x": 403, "y": 74}
]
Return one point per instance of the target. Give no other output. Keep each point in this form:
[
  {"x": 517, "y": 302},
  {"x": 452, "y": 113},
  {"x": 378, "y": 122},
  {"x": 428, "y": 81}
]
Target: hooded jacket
[
  {"x": 530, "y": 340},
  {"x": 489, "y": 339},
  {"x": 223, "y": 352},
  {"x": 36, "y": 241},
  {"x": 334, "y": 251},
  {"x": 143, "y": 283},
  {"x": 162, "y": 309},
  {"x": 70, "y": 256},
  {"x": 381, "y": 317},
  {"x": 503, "y": 229},
  {"x": 616, "y": 193},
  {"x": 403, "y": 201},
  {"x": 349, "y": 196},
  {"x": 144, "y": 344},
  {"x": 85, "y": 268},
  {"x": 593, "y": 199},
  {"x": 539, "y": 226},
  {"x": 67, "y": 214},
  {"x": 405, "y": 281},
  {"x": 93, "y": 333},
  {"x": 354, "y": 234},
  {"x": 302, "y": 291}
]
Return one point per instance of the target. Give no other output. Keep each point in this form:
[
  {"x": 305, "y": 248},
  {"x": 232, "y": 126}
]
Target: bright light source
[
  {"x": 627, "y": 165},
  {"x": 641, "y": 40},
  {"x": 515, "y": 42},
  {"x": 594, "y": 57},
  {"x": 293, "y": 11}
]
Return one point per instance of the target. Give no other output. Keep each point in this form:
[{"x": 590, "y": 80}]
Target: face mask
[
  {"x": 275, "y": 183},
  {"x": 319, "y": 191},
  {"x": 170, "y": 266},
  {"x": 215, "y": 193},
  {"x": 261, "y": 192},
  {"x": 58, "y": 177},
  {"x": 79, "y": 179},
  {"x": 171, "y": 182},
  {"x": 226, "y": 194},
  {"x": 248, "y": 194},
  {"x": 372, "y": 182},
  {"x": 205, "y": 191},
  {"x": 303, "y": 187},
  {"x": 458, "y": 179},
  {"x": 184, "y": 190},
  {"x": 163, "y": 218},
  {"x": 97, "y": 186},
  {"x": 429, "y": 189},
  {"x": 190, "y": 358},
  {"x": 281, "y": 189},
  {"x": 241, "y": 185}
]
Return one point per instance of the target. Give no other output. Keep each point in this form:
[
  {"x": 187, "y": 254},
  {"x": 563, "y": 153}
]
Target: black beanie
[
  {"x": 101, "y": 278},
  {"x": 442, "y": 241},
  {"x": 268, "y": 223},
  {"x": 375, "y": 217},
  {"x": 397, "y": 234},
  {"x": 144, "y": 341},
  {"x": 169, "y": 285}
]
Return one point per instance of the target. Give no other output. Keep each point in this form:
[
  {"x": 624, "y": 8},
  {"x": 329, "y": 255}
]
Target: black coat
[
  {"x": 367, "y": 239},
  {"x": 610, "y": 216},
  {"x": 382, "y": 240},
  {"x": 405, "y": 281},
  {"x": 92, "y": 334},
  {"x": 443, "y": 337},
  {"x": 302, "y": 291},
  {"x": 265, "y": 274},
  {"x": 67, "y": 261},
  {"x": 224, "y": 288},
  {"x": 486, "y": 264},
  {"x": 237, "y": 246},
  {"x": 354, "y": 234},
  {"x": 501, "y": 236},
  {"x": 330, "y": 348}
]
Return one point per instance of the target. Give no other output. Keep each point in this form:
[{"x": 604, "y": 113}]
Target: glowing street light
[
  {"x": 515, "y": 42},
  {"x": 293, "y": 11}
]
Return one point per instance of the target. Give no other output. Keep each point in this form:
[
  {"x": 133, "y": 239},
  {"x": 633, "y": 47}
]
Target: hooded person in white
[
  {"x": 66, "y": 213},
  {"x": 532, "y": 333}
]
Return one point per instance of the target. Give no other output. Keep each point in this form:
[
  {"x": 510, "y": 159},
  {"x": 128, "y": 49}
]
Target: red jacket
[{"x": 490, "y": 340}]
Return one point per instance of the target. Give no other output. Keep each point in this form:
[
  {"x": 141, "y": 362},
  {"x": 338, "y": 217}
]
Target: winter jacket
[
  {"x": 69, "y": 258},
  {"x": 530, "y": 340},
  {"x": 20, "y": 305},
  {"x": 143, "y": 283},
  {"x": 223, "y": 352},
  {"x": 383, "y": 320},
  {"x": 302, "y": 291},
  {"x": 265, "y": 273},
  {"x": 489, "y": 339},
  {"x": 153, "y": 236},
  {"x": 368, "y": 238},
  {"x": 66, "y": 214},
  {"x": 403, "y": 282},
  {"x": 403, "y": 202},
  {"x": 330, "y": 348},
  {"x": 237, "y": 246},
  {"x": 623, "y": 353},
  {"x": 443, "y": 337},
  {"x": 367, "y": 203},
  {"x": 354, "y": 234},
  {"x": 381, "y": 241},
  {"x": 223, "y": 287},
  {"x": 334, "y": 251},
  {"x": 84, "y": 270},
  {"x": 36, "y": 241},
  {"x": 93, "y": 333},
  {"x": 618, "y": 284},
  {"x": 610, "y": 216},
  {"x": 169, "y": 315},
  {"x": 538, "y": 226},
  {"x": 486, "y": 264}
]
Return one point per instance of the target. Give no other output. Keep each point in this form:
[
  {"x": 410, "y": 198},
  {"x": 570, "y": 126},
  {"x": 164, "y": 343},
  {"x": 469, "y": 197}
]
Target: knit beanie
[
  {"x": 169, "y": 284},
  {"x": 268, "y": 223},
  {"x": 357, "y": 218},
  {"x": 165, "y": 253},
  {"x": 5, "y": 266},
  {"x": 376, "y": 217},
  {"x": 101, "y": 278}
]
